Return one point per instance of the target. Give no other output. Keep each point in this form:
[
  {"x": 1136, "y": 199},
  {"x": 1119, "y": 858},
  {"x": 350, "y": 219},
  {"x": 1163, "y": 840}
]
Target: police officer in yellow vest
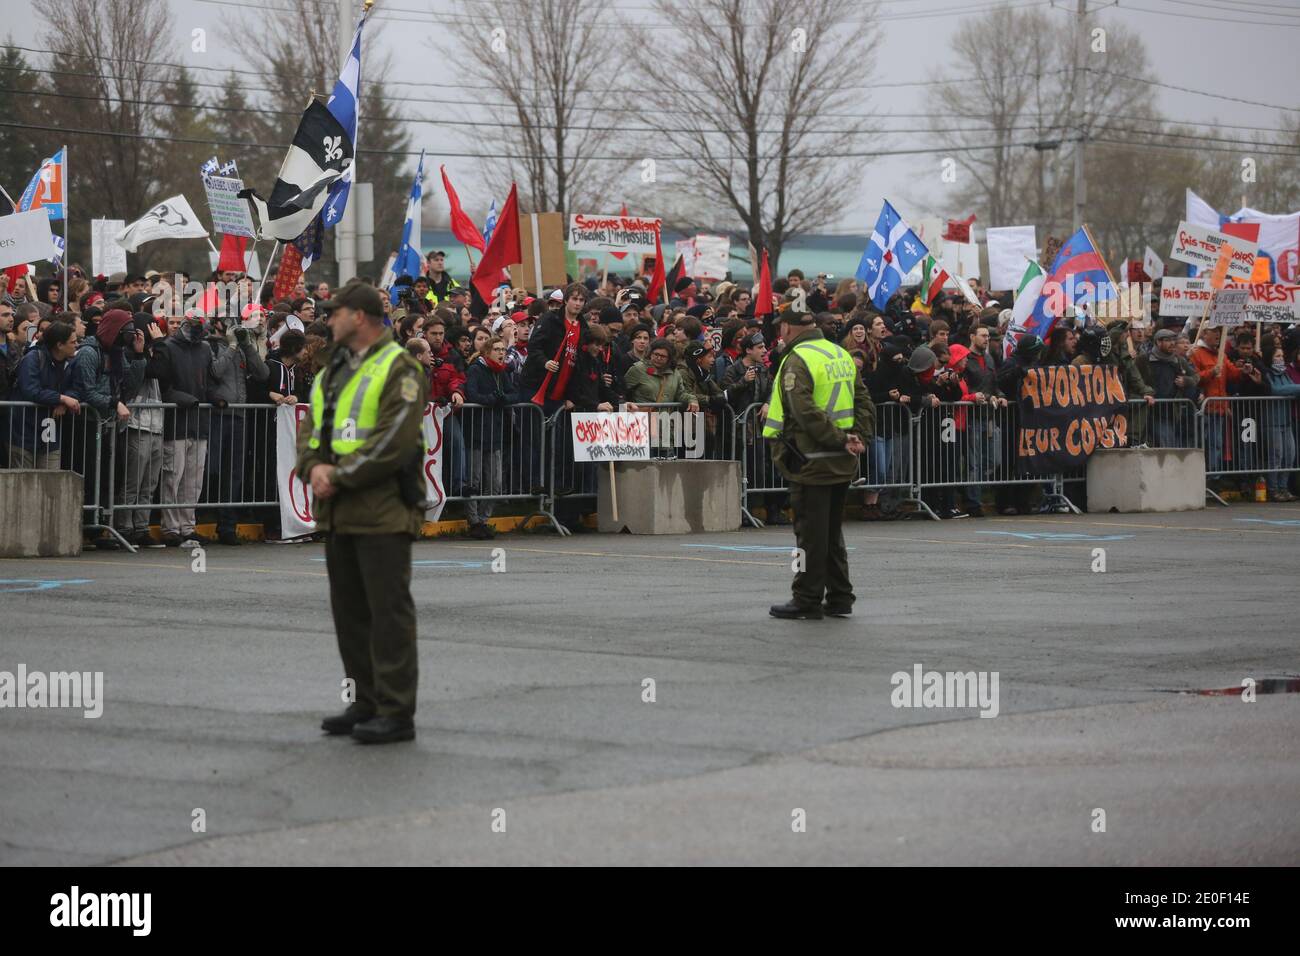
[
  {"x": 819, "y": 420},
  {"x": 364, "y": 459}
]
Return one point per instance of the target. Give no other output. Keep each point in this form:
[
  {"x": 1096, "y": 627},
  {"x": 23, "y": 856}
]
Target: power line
[
  {"x": 1220, "y": 7},
  {"x": 1197, "y": 16},
  {"x": 1185, "y": 89},
  {"x": 115, "y": 134}
]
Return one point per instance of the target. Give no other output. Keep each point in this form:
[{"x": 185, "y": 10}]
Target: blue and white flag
[
  {"x": 891, "y": 253},
  {"x": 57, "y": 258},
  {"x": 490, "y": 223},
  {"x": 343, "y": 105},
  {"x": 408, "y": 260},
  {"x": 47, "y": 188}
]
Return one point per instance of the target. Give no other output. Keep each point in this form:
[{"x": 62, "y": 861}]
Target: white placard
[
  {"x": 106, "y": 256},
  {"x": 1273, "y": 302},
  {"x": 1229, "y": 307},
  {"x": 612, "y": 233},
  {"x": 610, "y": 436},
  {"x": 1152, "y": 264},
  {"x": 1199, "y": 246},
  {"x": 25, "y": 237},
  {"x": 230, "y": 214},
  {"x": 1184, "y": 297},
  {"x": 712, "y": 257},
  {"x": 1009, "y": 247}
]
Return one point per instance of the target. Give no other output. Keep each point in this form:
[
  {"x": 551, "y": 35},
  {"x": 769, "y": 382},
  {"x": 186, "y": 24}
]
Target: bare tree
[
  {"x": 747, "y": 118},
  {"x": 1013, "y": 122},
  {"x": 539, "y": 58},
  {"x": 103, "y": 41}
]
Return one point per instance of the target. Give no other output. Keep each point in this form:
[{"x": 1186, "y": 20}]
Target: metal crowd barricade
[
  {"x": 758, "y": 472},
  {"x": 495, "y": 454},
  {"x": 972, "y": 446},
  {"x": 1250, "y": 436},
  {"x": 47, "y": 437}
]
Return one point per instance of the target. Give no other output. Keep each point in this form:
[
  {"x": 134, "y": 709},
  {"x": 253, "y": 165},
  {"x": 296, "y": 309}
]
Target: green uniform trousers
[
  {"x": 374, "y": 618},
  {"x": 819, "y": 534}
]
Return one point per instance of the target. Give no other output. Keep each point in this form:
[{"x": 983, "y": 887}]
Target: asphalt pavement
[{"x": 618, "y": 699}]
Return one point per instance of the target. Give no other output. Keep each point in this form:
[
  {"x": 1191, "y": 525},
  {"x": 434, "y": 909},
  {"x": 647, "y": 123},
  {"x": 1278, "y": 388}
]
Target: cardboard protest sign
[
  {"x": 25, "y": 237},
  {"x": 230, "y": 214},
  {"x": 1180, "y": 297},
  {"x": 106, "y": 256},
  {"x": 610, "y": 436},
  {"x": 1229, "y": 307},
  {"x": 1199, "y": 246},
  {"x": 610, "y": 234},
  {"x": 1009, "y": 247},
  {"x": 541, "y": 240},
  {"x": 1067, "y": 412}
]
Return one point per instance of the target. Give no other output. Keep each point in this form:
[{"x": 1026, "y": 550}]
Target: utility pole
[
  {"x": 1079, "y": 106},
  {"x": 345, "y": 233}
]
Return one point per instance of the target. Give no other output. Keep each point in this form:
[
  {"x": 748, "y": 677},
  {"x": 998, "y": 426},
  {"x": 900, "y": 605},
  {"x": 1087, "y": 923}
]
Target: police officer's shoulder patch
[
  {"x": 788, "y": 379},
  {"x": 410, "y": 389}
]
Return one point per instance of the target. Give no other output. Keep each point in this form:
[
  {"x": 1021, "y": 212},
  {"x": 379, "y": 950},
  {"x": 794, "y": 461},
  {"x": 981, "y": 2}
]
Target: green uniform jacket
[
  {"x": 809, "y": 427},
  {"x": 644, "y": 388},
  {"x": 369, "y": 499}
]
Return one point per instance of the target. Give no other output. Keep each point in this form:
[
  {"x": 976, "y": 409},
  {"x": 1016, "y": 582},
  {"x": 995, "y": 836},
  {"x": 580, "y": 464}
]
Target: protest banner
[
  {"x": 1067, "y": 412},
  {"x": 230, "y": 214},
  {"x": 616, "y": 234},
  {"x": 610, "y": 436},
  {"x": 1229, "y": 308},
  {"x": 106, "y": 256},
  {"x": 686, "y": 250},
  {"x": 1182, "y": 297},
  {"x": 1199, "y": 246},
  {"x": 25, "y": 237},
  {"x": 296, "y": 517},
  {"x": 1009, "y": 247}
]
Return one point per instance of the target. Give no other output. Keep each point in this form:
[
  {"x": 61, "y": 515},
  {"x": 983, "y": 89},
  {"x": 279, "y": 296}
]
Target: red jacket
[{"x": 445, "y": 378}]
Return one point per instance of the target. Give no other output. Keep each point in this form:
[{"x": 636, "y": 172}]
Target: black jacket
[
  {"x": 983, "y": 377},
  {"x": 587, "y": 388},
  {"x": 1161, "y": 370},
  {"x": 484, "y": 427},
  {"x": 183, "y": 369}
]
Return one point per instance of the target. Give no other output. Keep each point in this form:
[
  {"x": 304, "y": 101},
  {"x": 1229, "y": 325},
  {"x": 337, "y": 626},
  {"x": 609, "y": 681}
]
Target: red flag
[
  {"x": 504, "y": 249},
  {"x": 621, "y": 255},
  {"x": 656, "y": 277},
  {"x": 763, "y": 294},
  {"x": 290, "y": 272},
  {"x": 462, "y": 227},
  {"x": 232, "y": 254},
  {"x": 959, "y": 229}
]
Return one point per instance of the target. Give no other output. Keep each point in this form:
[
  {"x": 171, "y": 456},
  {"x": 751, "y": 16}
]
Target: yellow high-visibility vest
[
  {"x": 834, "y": 379},
  {"x": 357, "y": 412}
]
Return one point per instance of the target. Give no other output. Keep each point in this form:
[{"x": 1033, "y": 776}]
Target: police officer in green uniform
[
  {"x": 364, "y": 458},
  {"x": 819, "y": 420}
]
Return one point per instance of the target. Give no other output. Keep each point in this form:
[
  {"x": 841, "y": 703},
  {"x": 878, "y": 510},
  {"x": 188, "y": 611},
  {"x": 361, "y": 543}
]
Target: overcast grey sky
[{"x": 1233, "y": 48}]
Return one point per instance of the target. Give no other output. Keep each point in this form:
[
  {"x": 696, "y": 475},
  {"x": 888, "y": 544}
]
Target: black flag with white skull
[{"x": 321, "y": 152}]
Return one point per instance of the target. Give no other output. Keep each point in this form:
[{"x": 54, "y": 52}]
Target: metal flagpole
[{"x": 67, "y": 191}]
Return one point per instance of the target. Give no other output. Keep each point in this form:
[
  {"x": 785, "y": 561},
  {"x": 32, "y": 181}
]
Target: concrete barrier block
[
  {"x": 40, "y": 514},
  {"x": 670, "y": 497},
  {"x": 1146, "y": 479}
]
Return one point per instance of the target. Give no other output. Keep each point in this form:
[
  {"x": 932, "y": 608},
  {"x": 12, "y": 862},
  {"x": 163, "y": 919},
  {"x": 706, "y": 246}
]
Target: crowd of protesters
[{"x": 175, "y": 383}]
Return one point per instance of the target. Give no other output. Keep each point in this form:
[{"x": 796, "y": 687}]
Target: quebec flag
[
  {"x": 342, "y": 105},
  {"x": 891, "y": 253},
  {"x": 408, "y": 259},
  {"x": 490, "y": 223}
]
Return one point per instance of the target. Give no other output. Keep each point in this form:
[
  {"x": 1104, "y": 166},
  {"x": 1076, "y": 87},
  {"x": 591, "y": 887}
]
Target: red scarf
[
  {"x": 567, "y": 356},
  {"x": 497, "y": 367}
]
